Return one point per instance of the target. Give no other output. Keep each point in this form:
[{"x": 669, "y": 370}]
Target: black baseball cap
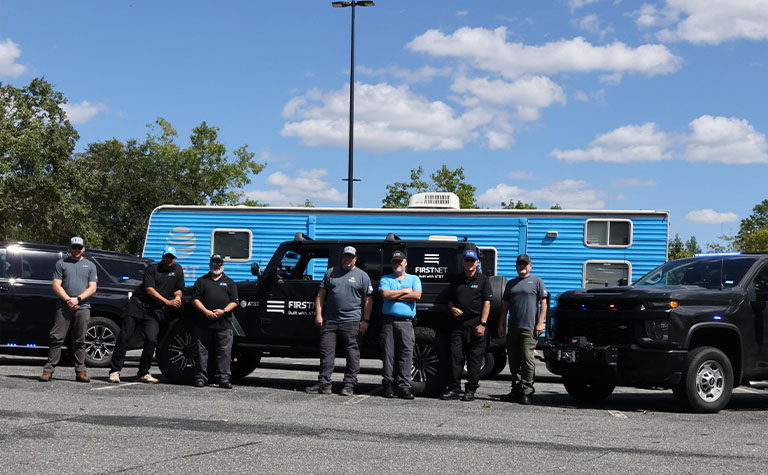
[
  {"x": 398, "y": 256},
  {"x": 523, "y": 260},
  {"x": 217, "y": 259}
]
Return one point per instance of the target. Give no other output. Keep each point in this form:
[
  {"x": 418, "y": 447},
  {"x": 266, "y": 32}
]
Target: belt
[{"x": 398, "y": 318}]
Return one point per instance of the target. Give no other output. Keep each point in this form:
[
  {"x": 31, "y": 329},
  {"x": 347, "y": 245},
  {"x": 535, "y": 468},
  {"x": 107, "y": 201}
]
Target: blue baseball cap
[
  {"x": 470, "y": 253},
  {"x": 169, "y": 250}
]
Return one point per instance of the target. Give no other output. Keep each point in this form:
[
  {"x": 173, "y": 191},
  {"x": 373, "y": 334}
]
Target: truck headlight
[
  {"x": 657, "y": 329},
  {"x": 660, "y": 305}
]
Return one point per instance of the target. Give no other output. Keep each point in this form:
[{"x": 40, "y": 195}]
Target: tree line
[{"x": 49, "y": 192}]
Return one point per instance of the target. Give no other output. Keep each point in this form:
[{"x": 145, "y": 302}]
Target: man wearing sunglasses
[
  {"x": 74, "y": 280},
  {"x": 470, "y": 302}
]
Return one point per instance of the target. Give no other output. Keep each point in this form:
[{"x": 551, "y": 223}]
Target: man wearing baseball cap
[
  {"x": 525, "y": 298},
  {"x": 215, "y": 296},
  {"x": 469, "y": 303},
  {"x": 162, "y": 287},
  {"x": 74, "y": 280},
  {"x": 342, "y": 311},
  {"x": 399, "y": 291}
]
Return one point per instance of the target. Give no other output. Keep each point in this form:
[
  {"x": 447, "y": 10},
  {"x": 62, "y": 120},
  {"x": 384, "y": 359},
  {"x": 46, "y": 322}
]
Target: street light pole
[{"x": 350, "y": 176}]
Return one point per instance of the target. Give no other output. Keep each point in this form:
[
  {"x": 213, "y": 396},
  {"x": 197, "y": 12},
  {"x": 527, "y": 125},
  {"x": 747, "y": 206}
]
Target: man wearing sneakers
[
  {"x": 74, "y": 280},
  {"x": 525, "y": 298},
  {"x": 399, "y": 291},
  {"x": 162, "y": 288},
  {"x": 343, "y": 311}
]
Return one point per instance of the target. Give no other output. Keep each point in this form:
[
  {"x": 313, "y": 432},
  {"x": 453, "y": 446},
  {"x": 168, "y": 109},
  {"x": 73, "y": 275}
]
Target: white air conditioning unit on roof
[{"x": 434, "y": 200}]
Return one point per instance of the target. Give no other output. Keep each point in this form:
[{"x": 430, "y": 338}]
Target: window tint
[
  {"x": 606, "y": 274},
  {"x": 709, "y": 272},
  {"x": 232, "y": 244},
  {"x": 432, "y": 265},
  {"x": 5, "y": 266},
  {"x": 38, "y": 265},
  {"x": 608, "y": 233},
  {"x": 128, "y": 272},
  {"x": 369, "y": 260},
  {"x": 761, "y": 280},
  {"x": 303, "y": 264}
]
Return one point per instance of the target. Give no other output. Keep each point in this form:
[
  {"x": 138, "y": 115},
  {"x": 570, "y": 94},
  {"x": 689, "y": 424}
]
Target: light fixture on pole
[{"x": 350, "y": 177}]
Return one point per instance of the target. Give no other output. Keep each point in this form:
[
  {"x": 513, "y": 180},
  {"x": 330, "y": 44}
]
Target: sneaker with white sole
[
  {"x": 114, "y": 377},
  {"x": 147, "y": 378}
]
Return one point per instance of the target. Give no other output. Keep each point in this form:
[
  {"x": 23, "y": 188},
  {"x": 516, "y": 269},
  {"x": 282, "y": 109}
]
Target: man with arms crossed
[
  {"x": 525, "y": 298},
  {"x": 74, "y": 280},
  {"x": 400, "y": 292},
  {"x": 342, "y": 310}
]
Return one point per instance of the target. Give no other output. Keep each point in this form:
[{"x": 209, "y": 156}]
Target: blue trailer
[{"x": 569, "y": 248}]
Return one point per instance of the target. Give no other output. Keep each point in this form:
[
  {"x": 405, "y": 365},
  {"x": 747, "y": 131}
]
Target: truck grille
[{"x": 598, "y": 331}]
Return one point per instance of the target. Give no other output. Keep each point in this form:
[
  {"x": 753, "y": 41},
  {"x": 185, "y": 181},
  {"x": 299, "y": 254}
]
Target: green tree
[
  {"x": 556, "y": 206},
  {"x": 444, "y": 179},
  {"x": 126, "y": 181},
  {"x": 753, "y": 231},
  {"x": 40, "y": 189},
  {"x": 677, "y": 249},
  {"x": 511, "y": 204}
]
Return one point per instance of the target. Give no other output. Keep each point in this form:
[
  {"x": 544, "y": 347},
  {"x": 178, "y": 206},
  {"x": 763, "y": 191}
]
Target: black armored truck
[
  {"x": 698, "y": 326},
  {"x": 276, "y": 312}
]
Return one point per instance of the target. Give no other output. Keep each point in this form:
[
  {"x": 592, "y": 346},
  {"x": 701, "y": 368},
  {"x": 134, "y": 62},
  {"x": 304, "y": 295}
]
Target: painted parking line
[
  {"x": 362, "y": 397},
  {"x": 114, "y": 386},
  {"x": 617, "y": 414}
]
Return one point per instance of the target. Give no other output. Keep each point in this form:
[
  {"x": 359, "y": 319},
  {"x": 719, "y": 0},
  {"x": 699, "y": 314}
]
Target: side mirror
[{"x": 255, "y": 269}]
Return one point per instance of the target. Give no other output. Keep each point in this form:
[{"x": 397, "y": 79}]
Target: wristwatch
[{"x": 484, "y": 324}]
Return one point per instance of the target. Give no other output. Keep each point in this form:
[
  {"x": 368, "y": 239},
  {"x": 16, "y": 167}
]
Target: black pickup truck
[
  {"x": 698, "y": 326},
  {"x": 276, "y": 313}
]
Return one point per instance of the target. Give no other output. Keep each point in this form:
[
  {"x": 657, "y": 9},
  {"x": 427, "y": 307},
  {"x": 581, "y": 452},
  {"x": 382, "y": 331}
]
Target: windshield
[{"x": 707, "y": 272}]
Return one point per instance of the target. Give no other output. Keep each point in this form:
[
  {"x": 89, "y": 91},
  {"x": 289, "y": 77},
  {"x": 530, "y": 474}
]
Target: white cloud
[
  {"x": 422, "y": 75},
  {"x": 489, "y": 50},
  {"x": 308, "y": 184},
  {"x": 628, "y": 182},
  {"x": 387, "y": 118},
  {"x": 630, "y": 143},
  {"x": 710, "y": 216},
  {"x": 461, "y": 13},
  {"x": 530, "y": 92},
  {"x": 713, "y": 21},
  {"x": 572, "y": 194},
  {"x": 520, "y": 175},
  {"x": 575, "y": 4},
  {"x": 591, "y": 24},
  {"x": 648, "y": 16},
  {"x": 726, "y": 140},
  {"x": 9, "y": 53},
  {"x": 83, "y": 112}
]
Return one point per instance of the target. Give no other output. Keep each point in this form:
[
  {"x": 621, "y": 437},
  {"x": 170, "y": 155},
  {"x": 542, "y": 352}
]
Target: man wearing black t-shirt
[
  {"x": 215, "y": 296},
  {"x": 162, "y": 287},
  {"x": 469, "y": 302}
]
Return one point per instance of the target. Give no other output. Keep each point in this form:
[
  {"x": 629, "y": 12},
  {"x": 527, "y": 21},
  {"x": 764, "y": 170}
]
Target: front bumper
[{"x": 629, "y": 365}]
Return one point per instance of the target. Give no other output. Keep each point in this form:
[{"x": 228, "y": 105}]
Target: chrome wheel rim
[
  {"x": 180, "y": 351},
  {"x": 710, "y": 381},
  {"x": 425, "y": 361},
  {"x": 100, "y": 342}
]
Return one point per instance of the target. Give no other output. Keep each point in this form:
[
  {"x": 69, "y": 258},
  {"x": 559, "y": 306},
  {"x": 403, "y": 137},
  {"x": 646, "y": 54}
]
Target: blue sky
[{"x": 610, "y": 104}]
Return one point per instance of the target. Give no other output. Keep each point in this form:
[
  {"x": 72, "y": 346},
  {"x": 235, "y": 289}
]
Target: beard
[{"x": 216, "y": 270}]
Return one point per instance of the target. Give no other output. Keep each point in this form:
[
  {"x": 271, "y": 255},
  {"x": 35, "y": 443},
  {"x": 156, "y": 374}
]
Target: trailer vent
[{"x": 439, "y": 200}]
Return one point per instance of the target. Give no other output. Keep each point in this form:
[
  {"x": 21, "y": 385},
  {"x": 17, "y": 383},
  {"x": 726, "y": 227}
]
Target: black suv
[
  {"x": 276, "y": 313},
  {"x": 697, "y": 326},
  {"x": 28, "y": 303}
]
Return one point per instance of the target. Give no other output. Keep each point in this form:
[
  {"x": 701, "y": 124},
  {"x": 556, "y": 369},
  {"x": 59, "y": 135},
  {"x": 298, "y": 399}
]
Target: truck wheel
[
  {"x": 707, "y": 380},
  {"x": 588, "y": 390},
  {"x": 497, "y": 283},
  {"x": 499, "y": 361},
  {"x": 487, "y": 366},
  {"x": 243, "y": 363},
  {"x": 175, "y": 353},
  {"x": 100, "y": 340},
  {"x": 427, "y": 373}
]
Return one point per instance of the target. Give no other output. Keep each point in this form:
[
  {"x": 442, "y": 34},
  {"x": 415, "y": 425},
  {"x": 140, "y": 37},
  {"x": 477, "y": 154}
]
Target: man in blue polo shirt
[{"x": 399, "y": 291}]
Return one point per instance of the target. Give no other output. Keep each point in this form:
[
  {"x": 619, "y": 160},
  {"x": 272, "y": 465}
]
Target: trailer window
[
  {"x": 608, "y": 233},
  {"x": 432, "y": 265},
  {"x": 606, "y": 274},
  {"x": 234, "y": 245}
]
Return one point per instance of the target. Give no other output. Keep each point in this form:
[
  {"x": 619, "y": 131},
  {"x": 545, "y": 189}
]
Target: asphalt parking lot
[{"x": 267, "y": 424}]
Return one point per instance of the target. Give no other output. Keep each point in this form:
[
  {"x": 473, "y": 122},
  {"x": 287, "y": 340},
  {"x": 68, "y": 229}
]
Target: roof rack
[
  {"x": 301, "y": 237},
  {"x": 392, "y": 237}
]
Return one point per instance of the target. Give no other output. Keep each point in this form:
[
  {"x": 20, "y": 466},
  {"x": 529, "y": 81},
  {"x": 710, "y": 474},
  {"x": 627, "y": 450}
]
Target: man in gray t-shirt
[
  {"x": 74, "y": 280},
  {"x": 525, "y": 298},
  {"x": 342, "y": 310}
]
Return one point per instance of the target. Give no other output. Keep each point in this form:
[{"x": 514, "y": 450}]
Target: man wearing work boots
[
  {"x": 399, "y": 291},
  {"x": 525, "y": 298},
  {"x": 470, "y": 302},
  {"x": 162, "y": 287},
  {"x": 342, "y": 310},
  {"x": 74, "y": 280}
]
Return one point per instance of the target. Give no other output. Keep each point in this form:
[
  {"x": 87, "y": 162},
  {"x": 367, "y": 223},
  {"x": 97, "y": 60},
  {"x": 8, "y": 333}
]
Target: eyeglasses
[
  {"x": 469, "y": 259},
  {"x": 76, "y": 247}
]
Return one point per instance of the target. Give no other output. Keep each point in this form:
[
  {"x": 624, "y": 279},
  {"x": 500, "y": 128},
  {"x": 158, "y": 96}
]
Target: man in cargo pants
[
  {"x": 74, "y": 280},
  {"x": 525, "y": 298},
  {"x": 342, "y": 310}
]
